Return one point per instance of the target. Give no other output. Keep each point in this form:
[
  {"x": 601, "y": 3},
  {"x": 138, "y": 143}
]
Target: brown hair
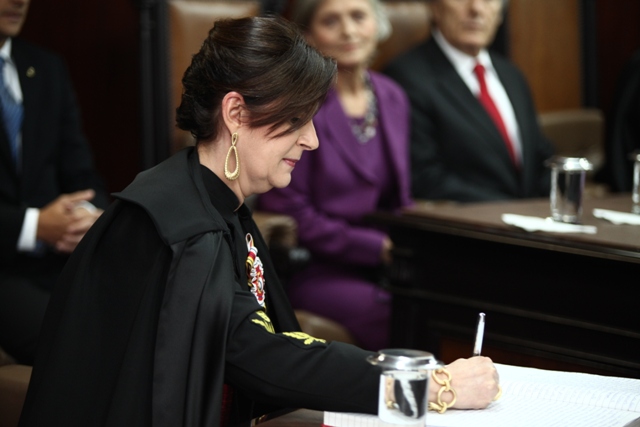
[{"x": 268, "y": 62}]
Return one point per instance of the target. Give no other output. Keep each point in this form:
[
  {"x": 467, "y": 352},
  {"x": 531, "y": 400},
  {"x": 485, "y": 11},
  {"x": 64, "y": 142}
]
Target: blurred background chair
[
  {"x": 189, "y": 24},
  {"x": 14, "y": 381},
  {"x": 171, "y": 31},
  {"x": 410, "y": 23},
  {"x": 578, "y": 133}
]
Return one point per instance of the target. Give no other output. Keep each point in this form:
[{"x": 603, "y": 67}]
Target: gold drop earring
[{"x": 232, "y": 176}]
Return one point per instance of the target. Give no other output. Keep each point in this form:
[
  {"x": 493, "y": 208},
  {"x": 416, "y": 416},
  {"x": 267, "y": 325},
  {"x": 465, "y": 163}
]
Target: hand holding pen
[{"x": 477, "y": 346}]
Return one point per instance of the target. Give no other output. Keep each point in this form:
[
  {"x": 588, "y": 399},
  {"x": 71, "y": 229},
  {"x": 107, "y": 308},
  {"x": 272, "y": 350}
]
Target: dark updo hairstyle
[{"x": 283, "y": 80}]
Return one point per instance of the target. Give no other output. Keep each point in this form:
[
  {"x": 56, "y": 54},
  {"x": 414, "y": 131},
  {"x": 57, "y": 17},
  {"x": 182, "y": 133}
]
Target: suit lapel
[
  {"x": 452, "y": 86},
  {"x": 337, "y": 125},
  {"x": 28, "y": 75},
  {"x": 461, "y": 96},
  {"x": 5, "y": 152}
]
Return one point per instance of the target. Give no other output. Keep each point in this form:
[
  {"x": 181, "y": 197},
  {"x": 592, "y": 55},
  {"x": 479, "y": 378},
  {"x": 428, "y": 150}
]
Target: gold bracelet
[
  {"x": 439, "y": 405},
  {"x": 499, "y": 395}
]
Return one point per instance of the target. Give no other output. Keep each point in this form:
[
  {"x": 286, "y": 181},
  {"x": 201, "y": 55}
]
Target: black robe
[{"x": 150, "y": 318}]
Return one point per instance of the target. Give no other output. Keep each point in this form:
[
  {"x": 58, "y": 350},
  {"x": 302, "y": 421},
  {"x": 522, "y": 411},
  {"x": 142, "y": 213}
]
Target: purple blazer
[{"x": 331, "y": 191}]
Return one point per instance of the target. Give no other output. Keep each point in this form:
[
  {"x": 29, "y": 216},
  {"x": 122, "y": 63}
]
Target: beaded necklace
[{"x": 365, "y": 129}]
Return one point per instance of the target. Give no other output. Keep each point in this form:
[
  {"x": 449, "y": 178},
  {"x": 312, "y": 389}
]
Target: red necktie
[{"x": 490, "y": 106}]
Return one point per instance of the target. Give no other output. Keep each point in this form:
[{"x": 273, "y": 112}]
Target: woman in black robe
[{"x": 169, "y": 312}]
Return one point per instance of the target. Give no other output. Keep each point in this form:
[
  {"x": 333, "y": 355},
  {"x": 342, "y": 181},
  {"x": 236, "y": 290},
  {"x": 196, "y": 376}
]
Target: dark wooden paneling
[
  {"x": 618, "y": 37},
  {"x": 544, "y": 42},
  {"x": 99, "y": 41}
]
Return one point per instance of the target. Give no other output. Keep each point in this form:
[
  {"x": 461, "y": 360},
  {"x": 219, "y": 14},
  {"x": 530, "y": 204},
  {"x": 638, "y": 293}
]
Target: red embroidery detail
[{"x": 255, "y": 272}]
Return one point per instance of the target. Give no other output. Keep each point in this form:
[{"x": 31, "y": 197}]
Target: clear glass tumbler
[
  {"x": 635, "y": 192},
  {"x": 568, "y": 175},
  {"x": 404, "y": 385}
]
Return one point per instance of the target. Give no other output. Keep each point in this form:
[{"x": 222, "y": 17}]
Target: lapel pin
[{"x": 31, "y": 72}]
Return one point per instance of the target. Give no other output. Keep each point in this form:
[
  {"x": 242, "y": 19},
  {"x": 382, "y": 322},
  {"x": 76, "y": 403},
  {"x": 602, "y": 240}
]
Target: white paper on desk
[
  {"x": 617, "y": 217},
  {"x": 343, "y": 419},
  {"x": 534, "y": 223},
  {"x": 534, "y": 398}
]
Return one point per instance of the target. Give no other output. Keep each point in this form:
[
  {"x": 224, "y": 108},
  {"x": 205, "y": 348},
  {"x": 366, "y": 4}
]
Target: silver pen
[{"x": 477, "y": 346}]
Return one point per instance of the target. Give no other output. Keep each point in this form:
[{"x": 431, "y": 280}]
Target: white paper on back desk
[{"x": 535, "y": 398}]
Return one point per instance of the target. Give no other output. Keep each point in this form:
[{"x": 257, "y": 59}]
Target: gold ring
[{"x": 499, "y": 395}]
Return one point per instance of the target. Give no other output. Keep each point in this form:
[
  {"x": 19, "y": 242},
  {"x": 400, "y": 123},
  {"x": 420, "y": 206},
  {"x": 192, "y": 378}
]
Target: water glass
[
  {"x": 568, "y": 175},
  {"x": 404, "y": 385},
  {"x": 635, "y": 192}
]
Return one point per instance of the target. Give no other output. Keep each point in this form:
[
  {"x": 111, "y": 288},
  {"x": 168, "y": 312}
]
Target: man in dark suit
[
  {"x": 47, "y": 181},
  {"x": 475, "y": 134}
]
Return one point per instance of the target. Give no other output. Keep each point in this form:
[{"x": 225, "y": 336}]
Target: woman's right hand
[{"x": 475, "y": 381}]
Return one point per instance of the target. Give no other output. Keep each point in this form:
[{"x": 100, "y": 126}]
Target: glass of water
[
  {"x": 635, "y": 192},
  {"x": 568, "y": 175}
]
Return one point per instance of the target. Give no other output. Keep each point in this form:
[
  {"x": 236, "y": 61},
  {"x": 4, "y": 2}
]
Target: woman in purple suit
[{"x": 362, "y": 166}]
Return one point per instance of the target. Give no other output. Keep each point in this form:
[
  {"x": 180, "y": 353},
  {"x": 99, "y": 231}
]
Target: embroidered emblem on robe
[
  {"x": 306, "y": 338},
  {"x": 265, "y": 322},
  {"x": 255, "y": 272}
]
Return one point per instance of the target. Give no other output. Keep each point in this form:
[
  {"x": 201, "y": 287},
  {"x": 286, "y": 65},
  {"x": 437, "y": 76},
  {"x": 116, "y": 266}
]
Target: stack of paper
[{"x": 534, "y": 398}]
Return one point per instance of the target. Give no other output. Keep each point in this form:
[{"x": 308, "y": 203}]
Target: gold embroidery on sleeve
[
  {"x": 265, "y": 322},
  {"x": 308, "y": 339}
]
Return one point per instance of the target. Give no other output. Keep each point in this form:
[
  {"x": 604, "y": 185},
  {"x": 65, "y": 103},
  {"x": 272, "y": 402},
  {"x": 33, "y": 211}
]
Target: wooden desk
[{"x": 571, "y": 298}]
